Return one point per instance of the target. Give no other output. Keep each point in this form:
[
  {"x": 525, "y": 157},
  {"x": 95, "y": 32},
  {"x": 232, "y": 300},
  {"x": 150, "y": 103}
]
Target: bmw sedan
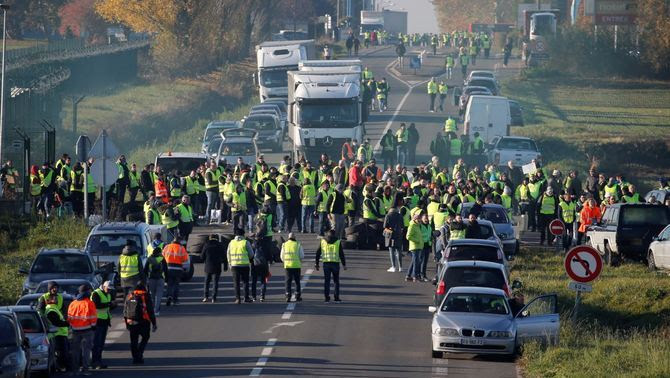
[{"x": 479, "y": 320}]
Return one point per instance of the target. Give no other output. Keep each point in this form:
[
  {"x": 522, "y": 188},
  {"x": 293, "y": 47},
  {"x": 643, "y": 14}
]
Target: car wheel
[
  {"x": 610, "y": 257},
  {"x": 651, "y": 264},
  {"x": 438, "y": 354}
]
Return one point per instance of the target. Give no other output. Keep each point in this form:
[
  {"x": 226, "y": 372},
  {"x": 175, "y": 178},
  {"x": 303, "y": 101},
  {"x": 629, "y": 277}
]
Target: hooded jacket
[{"x": 132, "y": 280}]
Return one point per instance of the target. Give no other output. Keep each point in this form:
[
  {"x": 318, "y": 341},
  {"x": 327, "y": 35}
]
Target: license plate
[{"x": 472, "y": 342}]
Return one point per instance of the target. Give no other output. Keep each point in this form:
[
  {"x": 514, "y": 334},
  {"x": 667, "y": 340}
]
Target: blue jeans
[
  {"x": 424, "y": 260},
  {"x": 402, "y": 155},
  {"x": 307, "y": 212},
  {"x": 282, "y": 209},
  {"x": 396, "y": 257},
  {"x": 251, "y": 214},
  {"x": 414, "y": 269},
  {"x": 324, "y": 223}
]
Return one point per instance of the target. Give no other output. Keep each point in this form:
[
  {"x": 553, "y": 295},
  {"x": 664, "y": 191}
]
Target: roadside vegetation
[
  {"x": 618, "y": 125},
  {"x": 21, "y": 240},
  {"x": 623, "y": 326}
]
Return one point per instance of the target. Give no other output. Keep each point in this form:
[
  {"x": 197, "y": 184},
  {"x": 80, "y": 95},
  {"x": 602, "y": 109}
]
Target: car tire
[
  {"x": 438, "y": 354},
  {"x": 651, "y": 263},
  {"x": 611, "y": 259}
]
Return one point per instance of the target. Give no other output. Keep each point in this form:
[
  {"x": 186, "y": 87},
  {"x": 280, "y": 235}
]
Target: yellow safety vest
[
  {"x": 547, "y": 206},
  {"x": 168, "y": 221},
  {"x": 134, "y": 179},
  {"x": 35, "y": 189},
  {"x": 103, "y": 313},
  {"x": 330, "y": 252},
  {"x": 185, "y": 213},
  {"x": 129, "y": 265},
  {"x": 367, "y": 211},
  {"x": 432, "y": 87},
  {"x": 439, "y": 219},
  {"x": 239, "y": 202},
  {"x": 291, "y": 255},
  {"x": 239, "y": 256},
  {"x": 214, "y": 183},
  {"x": 281, "y": 189},
  {"x": 62, "y": 331},
  {"x": 568, "y": 211},
  {"x": 309, "y": 195},
  {"x": 324, "y": 199}
]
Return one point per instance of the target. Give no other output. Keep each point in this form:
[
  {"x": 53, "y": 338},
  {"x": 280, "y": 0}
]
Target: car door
[
  {"x": 662, "y": 250},
  {"x": 538, "y": 321}
]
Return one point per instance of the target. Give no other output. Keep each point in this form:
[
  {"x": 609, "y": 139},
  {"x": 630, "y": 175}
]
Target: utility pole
[
  {"x": 75, "y": 104},
  {"x": 4, "y": 8},
  {"x": 295, "y": 9}
]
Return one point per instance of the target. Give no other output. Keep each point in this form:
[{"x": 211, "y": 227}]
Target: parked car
[
  {"x": 658, "y": 256},
  {"x": 14, "y": 347},
  {"x": 214, "y": 129},
  {"x": 70, "y": 286},
  {"x": 520, "y": 150},
  {"x": 626, "y": 230},
  {"x": 479, "y": 74},
  {"x": 32, "y": 299},
  {"x": 52, "y": 264},
  {"x": 516, "y": 113},
  {"x": 471, "y": 273},
  {"x": 487, "y": 82},
  {"x": 239, "y": 143},
  {"x": 470, "y": 91},
  {"x": 106, "y": 241},
  {"x": 661, "y": 195},
  {"x": 474, "y": 249},
  {"x": 502, "y": 223},
  {"x": 36, "y": 328},
  {"x": 481, "y": 320},
  {"x": 270, "y": 134}
]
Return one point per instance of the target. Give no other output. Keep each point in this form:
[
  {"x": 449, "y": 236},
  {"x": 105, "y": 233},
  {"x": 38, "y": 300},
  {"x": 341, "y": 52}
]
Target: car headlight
[
  {"x": 500, "y": 334},
  {"x": 446, "y": 332},
  {"x": 11, "y": 359}
]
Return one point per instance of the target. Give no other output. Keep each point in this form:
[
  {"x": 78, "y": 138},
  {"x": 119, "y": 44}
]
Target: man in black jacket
[
  {"x": 473, "y": 231},
  {"x": 213, "y": 255},
  {"x": 394, "y": 235},
  {"x": 335, "y": 208},
  {"x": 333, "y": 255}
]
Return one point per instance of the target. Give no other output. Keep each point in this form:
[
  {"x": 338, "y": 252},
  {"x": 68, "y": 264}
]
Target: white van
[{"x": 488, "y": 115}]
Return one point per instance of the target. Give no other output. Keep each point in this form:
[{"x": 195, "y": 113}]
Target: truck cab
[
  {"x": 274, "y": 59},
  {"x": 182, "y": 162}
]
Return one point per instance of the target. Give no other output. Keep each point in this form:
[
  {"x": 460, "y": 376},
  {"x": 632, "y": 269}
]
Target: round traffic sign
[
  {"x": 583, "y": 264},
  {"x": 556, "y": 227}
]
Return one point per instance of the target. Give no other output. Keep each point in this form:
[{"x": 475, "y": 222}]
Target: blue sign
[{"x": 415, "y": 62}]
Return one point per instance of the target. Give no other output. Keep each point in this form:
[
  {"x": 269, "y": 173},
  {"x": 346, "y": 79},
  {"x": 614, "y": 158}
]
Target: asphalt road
[{"x": 382, "y": 328}]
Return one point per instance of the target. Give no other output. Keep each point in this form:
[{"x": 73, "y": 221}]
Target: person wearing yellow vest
[
  {"x": 133, "y": 182},
  {"x": 331, "y": 253},
  {"x": 308, "y": 201},
  {"x": 402, "y": 137},
  {"x": 169, "y": 217},
  {"x": 547, "y": 210},
  {"x": 239, "y": 207},
  {"x": 449, "y": 64},
  {"x": 51, "y": 296},
  {"x": 130, "y": 267},
  {"x": 292, "y": 255},
  {"x": 450, "y": 126},
  {"x": 442, "y": 89},
  {"x": 151, "y": 214},
  {"x": 239, "y": 254},
  {"x": 156, "y": 270},
  {"x": 83, "y": 317},
  {"x": 103, "y": 300},
  {"x": 567, "y": 209},
  {"x": 324, "y": 192},
  {"x": 54, "y": 314},
  {"x": 455, "y": 149},
  {"x": 212, "y": 189},
  {"x": 416, "y": 242},
  {"x": 464, "y": 60},
  {"x": 283, "y": 197},
  {"x": 35, "y": 188},
  {"x": 432, "y": 94},
  {"x": 184, "y": 212}
]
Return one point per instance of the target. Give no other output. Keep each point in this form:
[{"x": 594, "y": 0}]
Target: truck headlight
[
  {"x": 446, "y": 332},
  {"x": 500, "y": 334}
]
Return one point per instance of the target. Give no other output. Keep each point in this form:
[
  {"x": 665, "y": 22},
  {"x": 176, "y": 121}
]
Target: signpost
[
  {"x": 104, "y": 173},
  {"x": 557, "y": 229},
  {"x": 583, "y": 265},
  {"x": 81, "y": 149},
  {"x": 415, "y": 62}
]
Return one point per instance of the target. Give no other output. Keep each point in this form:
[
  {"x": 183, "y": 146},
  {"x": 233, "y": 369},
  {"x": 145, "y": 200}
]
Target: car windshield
[
  {"x": 644, "y": 215},
  {"x": 183, "y": 165},
  {"x": 212, "y": 132},
  {"x": 70, "y": 288},
  {"x": 110, "y": 244},
  {"x": 274, "y": 78},
  {"x": 237, "y": 149},
  {"x": 474, "y": 276},
  {"x": 476, "y": 303},
  {"x": 476, "y": 90},
  {"x": 329, "y": 114},
  {"x": 213, "y": 147},
  {"x": 260, "y": 123},
  {"x": 7, "y": 332},
  {"x": 517, "y": 144},
  {"x": 65, "y": 263},
  {"x": 30, "y": 322},
  {"x": 473, "y": 252},
  {"x": 481, "y": 74},
  {"x": 479, "y": 82},
  {"x": 494, "y": 215}
]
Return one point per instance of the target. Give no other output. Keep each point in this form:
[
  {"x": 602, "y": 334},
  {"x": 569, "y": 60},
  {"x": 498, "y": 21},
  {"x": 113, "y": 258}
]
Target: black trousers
[
  {"x": 208, "y": 280},
  {"x": 62, "y": 349},
  {"x": 142, "y": 331},
  {"x": 258, "y": 273},
  {"x": 239, "y": 220},
  {"x": 292, "y": 274},
  {"x": 240, "y": 274},
  {"x": 331, "y": 269},
  {"x": 544, "y": 220}
]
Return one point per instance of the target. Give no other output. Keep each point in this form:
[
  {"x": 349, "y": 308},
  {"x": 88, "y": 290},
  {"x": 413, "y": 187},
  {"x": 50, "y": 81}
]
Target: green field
[
  {"x": 623, "y": 327},
  {"x": 620, "y": 126}
]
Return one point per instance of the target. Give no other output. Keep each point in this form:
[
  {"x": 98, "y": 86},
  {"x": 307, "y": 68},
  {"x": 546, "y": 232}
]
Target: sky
[{"x": 421, "y": 15}]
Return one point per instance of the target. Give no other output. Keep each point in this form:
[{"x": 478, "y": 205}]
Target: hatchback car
[
  {"x": 33, "y": 299},
  {"x": 239, "y": 143},
  {"x": 481, "y": 320},
  {"x": 471, "y": 273},
  {"x": 36, "y": 329},
  {"x": 270, "y": 134},
  {"x": 14, "y": 347},
  {"x": 52, "y": 264},
  {"x": 474, "y": 249},
  {"x": 658, "y": 256},
  {"x": 487, "y": 82},
  {"x": 498, "y": 216},
  {"x": 214, "y": 129}
]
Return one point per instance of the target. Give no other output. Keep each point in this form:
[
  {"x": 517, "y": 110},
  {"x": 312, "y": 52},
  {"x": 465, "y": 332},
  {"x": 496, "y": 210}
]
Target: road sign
[
  {"x": 110, "y": 149},
  {"x": 576, "y": 286},
  {"x": 583, "y": 264},
  {"x": 556, "y": 227},
  {"x": 82, "y": 147},
  {"x": 415, "y": 62},
  {"x": 109, "y": 177}
]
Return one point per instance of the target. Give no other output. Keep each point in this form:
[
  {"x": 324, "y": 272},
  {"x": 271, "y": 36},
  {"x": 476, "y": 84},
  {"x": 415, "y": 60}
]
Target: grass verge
[
  {"x": 20, "y": 241},
  {"x": 623, "y": 327},
  {"x": 618, "y": 125}
]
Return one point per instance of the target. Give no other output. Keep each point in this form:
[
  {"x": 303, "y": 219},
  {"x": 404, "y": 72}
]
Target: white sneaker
[
  {"x": 391, "y": 269},
  {"x": 399, "y": 270}
]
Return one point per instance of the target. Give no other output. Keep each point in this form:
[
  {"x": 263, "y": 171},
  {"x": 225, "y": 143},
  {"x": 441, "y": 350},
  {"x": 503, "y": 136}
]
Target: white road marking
[
  {"x": 290, "y": 306},
  {"x": 255, "y": 372},
  {"x": 286, "y": 315},
  {"x": 114, "y": 334},
  {"x": 283, "y": 324},
  {"x": 271, "y": 342},
  {"x": 266, "y": 352},
  {"x": 262, "y": 361}
]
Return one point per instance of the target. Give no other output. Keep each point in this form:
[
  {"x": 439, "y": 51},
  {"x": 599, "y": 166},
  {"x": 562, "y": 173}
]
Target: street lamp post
[{"x": 4, "y": 8}]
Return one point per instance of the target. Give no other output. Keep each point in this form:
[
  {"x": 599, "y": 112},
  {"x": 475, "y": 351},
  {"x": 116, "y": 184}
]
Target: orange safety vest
[
  {"x": 350, "y": 152},
  {"x": 161, "y": 191},
  {"x": 82, "y": 314},
  {"x": 143, "y": 294},
  {"x": 175, "y": 254},
  {"x": 587, "y": 215}
]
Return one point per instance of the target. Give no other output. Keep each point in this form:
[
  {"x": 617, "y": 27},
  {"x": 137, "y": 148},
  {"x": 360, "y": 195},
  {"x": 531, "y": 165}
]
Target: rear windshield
[
  {"x": 260, "y": 124},
  {"x": 478, "y": 90},
  {"x": 496, "y": 215},
  {"x": 474, "y": 276},
  {"x": 517, "y": 144},
  {"x": 30, "y": 322},
  {"x": 182, "y": 165},
  {"x": 7, "y": 332},
  {"x": 237, "y": 149},
  {"x": 644, "y": 215},
  {"x": 70, "y": 263},
  {"x": 473, "y": 252},
  {"x": 212, "y": 132},
  {"x": 111, "y": 244},
  {"x": 481, "y": 83}
]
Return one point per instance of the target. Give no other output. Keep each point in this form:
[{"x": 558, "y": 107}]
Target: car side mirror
[
  {"x": 524, "y": 314},
  {"x": 23, "y": 271},
  {"x": 432, "y": 309},
  {"x": 516, "y": 284}
]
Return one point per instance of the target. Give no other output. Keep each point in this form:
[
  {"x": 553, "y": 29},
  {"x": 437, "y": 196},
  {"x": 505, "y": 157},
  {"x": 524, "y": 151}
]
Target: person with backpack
[
  {"x": 156, "y": 269},
  {"x": 213, "y": 255},
  {"x": 140, "y": 319}
]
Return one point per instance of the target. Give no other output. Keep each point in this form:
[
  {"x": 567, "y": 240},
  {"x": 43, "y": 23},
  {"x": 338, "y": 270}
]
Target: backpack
[
  {"x": 133, "y": 307},
  {"x": 155, "y": 268}
]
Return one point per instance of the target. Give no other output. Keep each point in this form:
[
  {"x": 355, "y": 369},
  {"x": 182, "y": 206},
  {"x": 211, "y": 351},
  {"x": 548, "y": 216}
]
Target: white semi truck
[
  {"x": 325, "y": 109},
  {"x": 393, "y": 22},
  {"x": 276, "y": 58}
]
